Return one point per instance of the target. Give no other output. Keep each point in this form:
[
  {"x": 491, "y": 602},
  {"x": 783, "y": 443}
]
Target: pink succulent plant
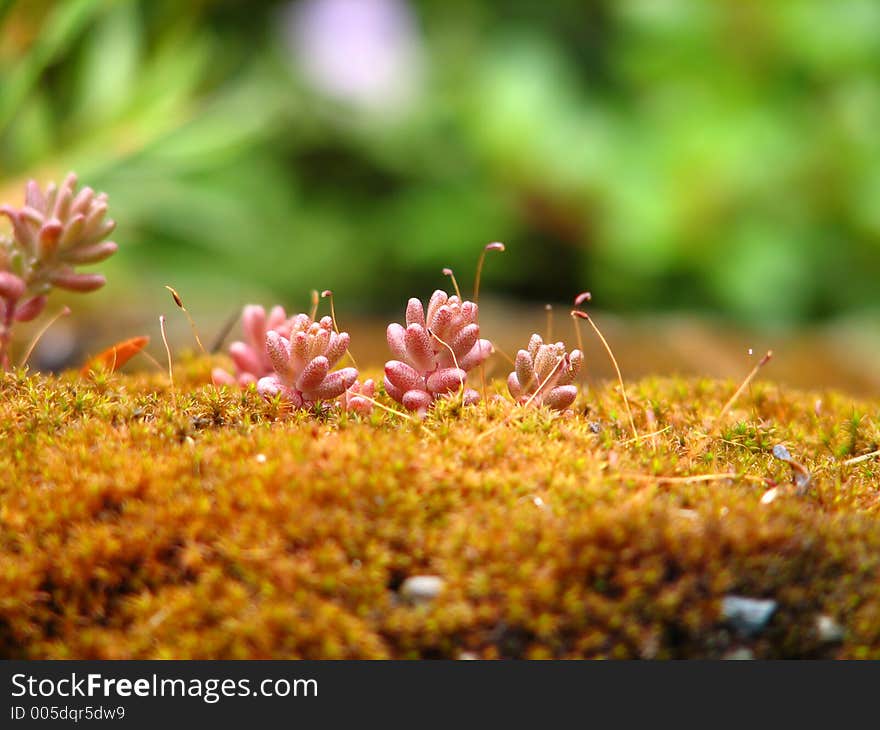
[
  {"x": 434, "y": 352},
  {"x": 274, "y": 332},
  {"x": 302, "y": 361},
  {"x": 250, "y": 357},
  {"x": 544, "y": 374},
  {"x": 54, "y": 232}
]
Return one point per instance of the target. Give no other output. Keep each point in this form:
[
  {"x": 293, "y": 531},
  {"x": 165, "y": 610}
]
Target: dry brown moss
[{"x": 140, "y": 522}]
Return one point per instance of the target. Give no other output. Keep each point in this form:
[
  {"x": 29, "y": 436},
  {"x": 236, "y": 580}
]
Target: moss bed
[{"x": 137, "y": 521}]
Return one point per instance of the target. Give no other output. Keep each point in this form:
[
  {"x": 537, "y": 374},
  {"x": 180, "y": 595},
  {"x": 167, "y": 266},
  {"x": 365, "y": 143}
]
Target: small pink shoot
[
  {"x": 494, "y": 246},
  {"x": 448, "y": 272}
]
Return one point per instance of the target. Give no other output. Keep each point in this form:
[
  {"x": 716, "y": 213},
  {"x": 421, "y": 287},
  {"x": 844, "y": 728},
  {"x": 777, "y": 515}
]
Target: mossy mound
[{"x": 141, "y": 522}]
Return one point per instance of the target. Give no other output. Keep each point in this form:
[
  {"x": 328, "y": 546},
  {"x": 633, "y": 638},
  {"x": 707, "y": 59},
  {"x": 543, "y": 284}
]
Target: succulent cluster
[
  {"x": 434, "y": 352},
  {"x": 54, "y": 232},
  {"x": 59, "y": 229},
  {"x": 293, "y": 357},
  {"x": 544, "y": 374},
  {"x": 251, "y": 359}
]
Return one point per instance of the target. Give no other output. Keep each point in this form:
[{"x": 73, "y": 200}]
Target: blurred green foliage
[{"x": 665, "y": 154}]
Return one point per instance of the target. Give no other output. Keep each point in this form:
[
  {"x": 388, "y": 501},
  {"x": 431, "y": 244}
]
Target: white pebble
[
  {"x": 770, "y": 495},
  {"x": 422, "y": 588}
]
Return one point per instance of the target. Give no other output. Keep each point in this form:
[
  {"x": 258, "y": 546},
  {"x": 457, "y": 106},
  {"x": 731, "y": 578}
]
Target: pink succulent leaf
[
  {"x": 402, "y": 376},
  {"x": 392, "y": 390},
  {"x": 356, "y": 404},
  {"x": 62, "y": 202},
  {"x": 535, "y": 341},
  {"x": 561, "y": 397},
  {"x": 246, "y": 359},
  {"x": 269, "y": 386},
  {"x": 30, "y": 308},
  {"x": 525, "y": 374},
  {"x": 446, "y": 380},
  {"x": 570, "y": 367},
  {"x": 51, "y": 194},
  {"x": 418, "y": 348},
  {"x": 12, "y": 287},
  {"x": 276, "y": 319},
  {"x": 320, "y": 342},
  {"x": 470, "y": 397},
  {"x": 92, "y": 254},
  {"x": 48, "y": 238},
  {"x": 220, "y": 377},
  {"x": 23, "y": 234},
  {"x": 253, "y": 322},
  {"x": 469, "y": 311},
  {"x": 414, "y": 313},
  {"x": 438, "y": 299},
  {"x": 338, "y": 347},
  {"x": 97, "y": 232},
  {"x": 94, "y": 217},
  {"x": 478, "y": 354},
  {"x": 334, "y": 385},
  {"x": 73, "y": 232},
  {"x": 246, "y": 379},
  {"x": 299, "y": 323},
  {"x": 417, "y": 400},
  {"x": 66, "y": 278},
  {"x": 396, "y": 336},
  {"x": 545, "y": 361},
  {"x": 441, "y": 321},
  {"x": 299, "y": 351},
  {"x": 465, "y": 339},
  {"x": 313, "y": 374},
  {"x": 80, "y": 204},
  {"x": 32, "y": 217},
  {"x": 514, "y": 387},
  {"x": 279, "y": 354},
  {"x": 33, "y": 196},
  {"x": 576, "y": 361}
]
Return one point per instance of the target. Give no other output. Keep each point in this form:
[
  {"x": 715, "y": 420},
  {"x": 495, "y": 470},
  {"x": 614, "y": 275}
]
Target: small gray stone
[
  {"x": 422, "y": 588},
  {"x": 829, "y": 630},
  {"x": 781, "y": 453},
  {"x": 748, "y": 616}
]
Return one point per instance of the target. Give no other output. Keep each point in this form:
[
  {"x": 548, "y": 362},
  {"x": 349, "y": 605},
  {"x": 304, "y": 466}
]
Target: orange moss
[{"x": 137, "y": 522}]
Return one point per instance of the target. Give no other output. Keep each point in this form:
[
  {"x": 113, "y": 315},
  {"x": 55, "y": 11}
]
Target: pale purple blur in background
[{"x": 364, "y": 52}]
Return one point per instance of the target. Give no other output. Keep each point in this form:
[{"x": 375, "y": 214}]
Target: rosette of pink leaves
[
  {"x": 359, "y": 397},
  {"x": 56, "y": 231},
  {"x": 250, "y": 357},
  {"x": 434, "y": 352},
  {"x": 302, "y": 362},
  {"x": 544, "y": 374}
]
